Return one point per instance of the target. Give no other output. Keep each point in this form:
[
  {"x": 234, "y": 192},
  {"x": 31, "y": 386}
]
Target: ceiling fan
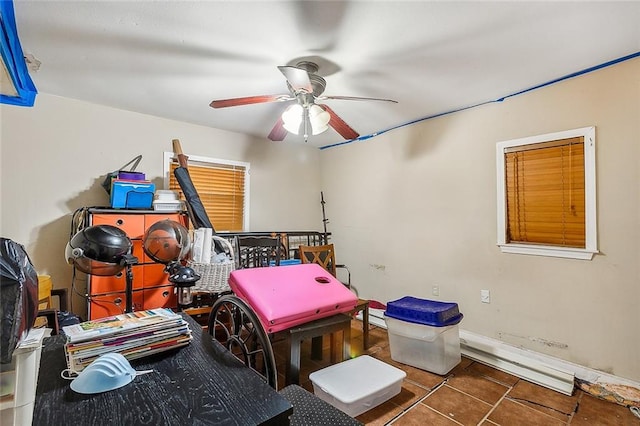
[{"x": 306, "y": 116}]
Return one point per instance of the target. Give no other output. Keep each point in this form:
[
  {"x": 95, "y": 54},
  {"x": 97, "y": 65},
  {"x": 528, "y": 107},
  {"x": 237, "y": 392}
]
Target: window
[
  {"x": 546, "y": 194},
  {"x": 223, "y": 187}
]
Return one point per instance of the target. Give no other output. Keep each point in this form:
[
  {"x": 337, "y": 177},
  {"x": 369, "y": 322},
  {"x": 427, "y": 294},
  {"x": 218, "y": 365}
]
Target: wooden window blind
[
  {"x": 222, "y": 191},
  {"x": 545, "y": 193}
]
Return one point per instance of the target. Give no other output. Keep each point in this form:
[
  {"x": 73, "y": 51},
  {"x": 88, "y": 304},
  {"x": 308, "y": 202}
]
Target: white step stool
[{"x": 357, "y": 385}]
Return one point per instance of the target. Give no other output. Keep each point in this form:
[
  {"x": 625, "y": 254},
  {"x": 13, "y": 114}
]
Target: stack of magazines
[{"x": 134, "y": 335}]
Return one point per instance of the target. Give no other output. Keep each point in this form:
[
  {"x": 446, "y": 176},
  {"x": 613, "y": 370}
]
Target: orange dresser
[{"x": 151, "y": 287}]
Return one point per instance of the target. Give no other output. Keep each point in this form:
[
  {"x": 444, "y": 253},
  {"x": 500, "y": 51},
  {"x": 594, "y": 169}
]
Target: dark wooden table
[{"x": 199, "y": 384}]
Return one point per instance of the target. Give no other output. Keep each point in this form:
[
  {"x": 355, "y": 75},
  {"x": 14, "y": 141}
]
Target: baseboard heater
[{"x": 515, "y": 361}]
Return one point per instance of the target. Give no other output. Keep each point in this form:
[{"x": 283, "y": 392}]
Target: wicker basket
[{"x": 214, "y": 277}]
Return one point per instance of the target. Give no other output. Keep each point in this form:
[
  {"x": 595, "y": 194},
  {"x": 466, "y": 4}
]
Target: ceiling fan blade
[
  {"x": 278, "y": 132},
  {"x": 224, "y": 103},
  {"x": 355, "y": 98},
  {"x": 297, "y": 78},
  {"x": 339, "y": 124}
]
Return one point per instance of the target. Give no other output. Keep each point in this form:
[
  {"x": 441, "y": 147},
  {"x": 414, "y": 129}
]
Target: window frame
[
  {"x": 210, "y": 161},
  {"x": 591, "y": 238}
]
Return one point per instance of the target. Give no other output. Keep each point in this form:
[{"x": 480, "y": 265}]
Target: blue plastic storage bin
[
  {"x": 424, "y": 333},
  {"x": 132, "y": 195}
]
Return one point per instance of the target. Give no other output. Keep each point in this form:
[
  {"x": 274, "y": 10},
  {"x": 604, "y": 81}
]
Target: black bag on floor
[{"x": 18, "y": 296}]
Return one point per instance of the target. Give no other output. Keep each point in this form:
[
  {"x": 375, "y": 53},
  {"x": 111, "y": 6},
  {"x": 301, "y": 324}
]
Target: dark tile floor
[{"x": 471, "y": 394}]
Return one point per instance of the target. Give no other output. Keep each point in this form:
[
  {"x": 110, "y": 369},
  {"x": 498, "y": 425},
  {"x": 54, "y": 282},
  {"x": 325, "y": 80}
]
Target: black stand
[
  {"x": 128, "y": 260},
  {"x": 183, "y": 278},
  {"x": 324, "y": 219}
]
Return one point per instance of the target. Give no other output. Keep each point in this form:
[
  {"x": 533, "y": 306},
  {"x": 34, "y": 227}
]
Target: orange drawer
[
  {"x": 99, "y": 285},
  {"x": 154, "y": 275},
  {"x": 150, "y": 219},
  {"x": 160, "y": 297},
  {"x": 138, "y": 251},
  {"x": 132, "y": 224},
  {"x": 113, "y": 304}
]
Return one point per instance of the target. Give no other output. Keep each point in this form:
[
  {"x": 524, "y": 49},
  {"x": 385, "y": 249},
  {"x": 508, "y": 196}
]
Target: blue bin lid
[
  {"x": 423, "y": 311},
  {"x": 286, "y": 262}
]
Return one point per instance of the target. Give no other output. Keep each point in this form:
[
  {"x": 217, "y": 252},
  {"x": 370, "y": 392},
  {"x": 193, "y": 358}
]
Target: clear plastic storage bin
[
  {"x": 357, "y": 385},
  {"x": 424, "y": 333}
]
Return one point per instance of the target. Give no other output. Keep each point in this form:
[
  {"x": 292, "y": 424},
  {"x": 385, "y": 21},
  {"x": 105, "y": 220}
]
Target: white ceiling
[{"x": 172, "y": 58}]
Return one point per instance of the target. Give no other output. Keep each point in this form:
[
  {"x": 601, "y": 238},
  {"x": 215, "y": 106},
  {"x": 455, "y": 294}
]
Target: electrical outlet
[
  {"x": 435, "y": 290},
  {"x": 485, "y": 296}
]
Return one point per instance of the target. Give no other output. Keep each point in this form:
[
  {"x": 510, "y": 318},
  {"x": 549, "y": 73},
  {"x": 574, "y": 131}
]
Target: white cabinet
[{"x": 19, "y": 379}]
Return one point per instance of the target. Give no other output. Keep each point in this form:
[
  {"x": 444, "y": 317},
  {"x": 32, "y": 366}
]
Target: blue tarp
[{"x": 13, "y": 59}]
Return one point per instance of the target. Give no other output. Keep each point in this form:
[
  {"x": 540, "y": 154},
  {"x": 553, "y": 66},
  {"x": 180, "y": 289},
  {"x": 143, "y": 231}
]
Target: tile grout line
[
  {"x": 493, "y": 408},
  {"x": 404, "y": 411},
  {"x": 575, "y": 411},
  {"x": 443, "y": 415},
  {"x": 538, "y": 404},
  {"x": 469, "y": 395},
  {"x": 479, "y": 400},
  {"x": 441, "y": 384},
  {"x": 516, "y": 401}
]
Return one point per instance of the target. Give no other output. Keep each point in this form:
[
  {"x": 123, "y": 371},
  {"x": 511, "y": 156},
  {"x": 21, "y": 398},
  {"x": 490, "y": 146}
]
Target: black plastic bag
[
  {"x": 67, "y": 318},
  {"x": 18, "y": 296},
  {"x": 106, "y": 183}
]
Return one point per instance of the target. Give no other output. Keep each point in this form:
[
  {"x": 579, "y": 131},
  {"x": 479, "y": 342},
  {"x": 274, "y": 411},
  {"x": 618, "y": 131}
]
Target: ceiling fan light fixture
[
  {"x": 319, "y": 119},
  {"x": 292, "y": 118}
]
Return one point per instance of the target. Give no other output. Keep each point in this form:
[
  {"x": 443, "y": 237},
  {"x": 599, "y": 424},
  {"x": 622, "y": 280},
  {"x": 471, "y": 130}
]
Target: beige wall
[
  {"x": 416, "y": 207},
  {"x": 54, "y": 156}
]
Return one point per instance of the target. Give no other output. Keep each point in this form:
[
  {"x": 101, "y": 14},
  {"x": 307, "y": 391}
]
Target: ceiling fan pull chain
[{"x": 305, "y": 119}]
